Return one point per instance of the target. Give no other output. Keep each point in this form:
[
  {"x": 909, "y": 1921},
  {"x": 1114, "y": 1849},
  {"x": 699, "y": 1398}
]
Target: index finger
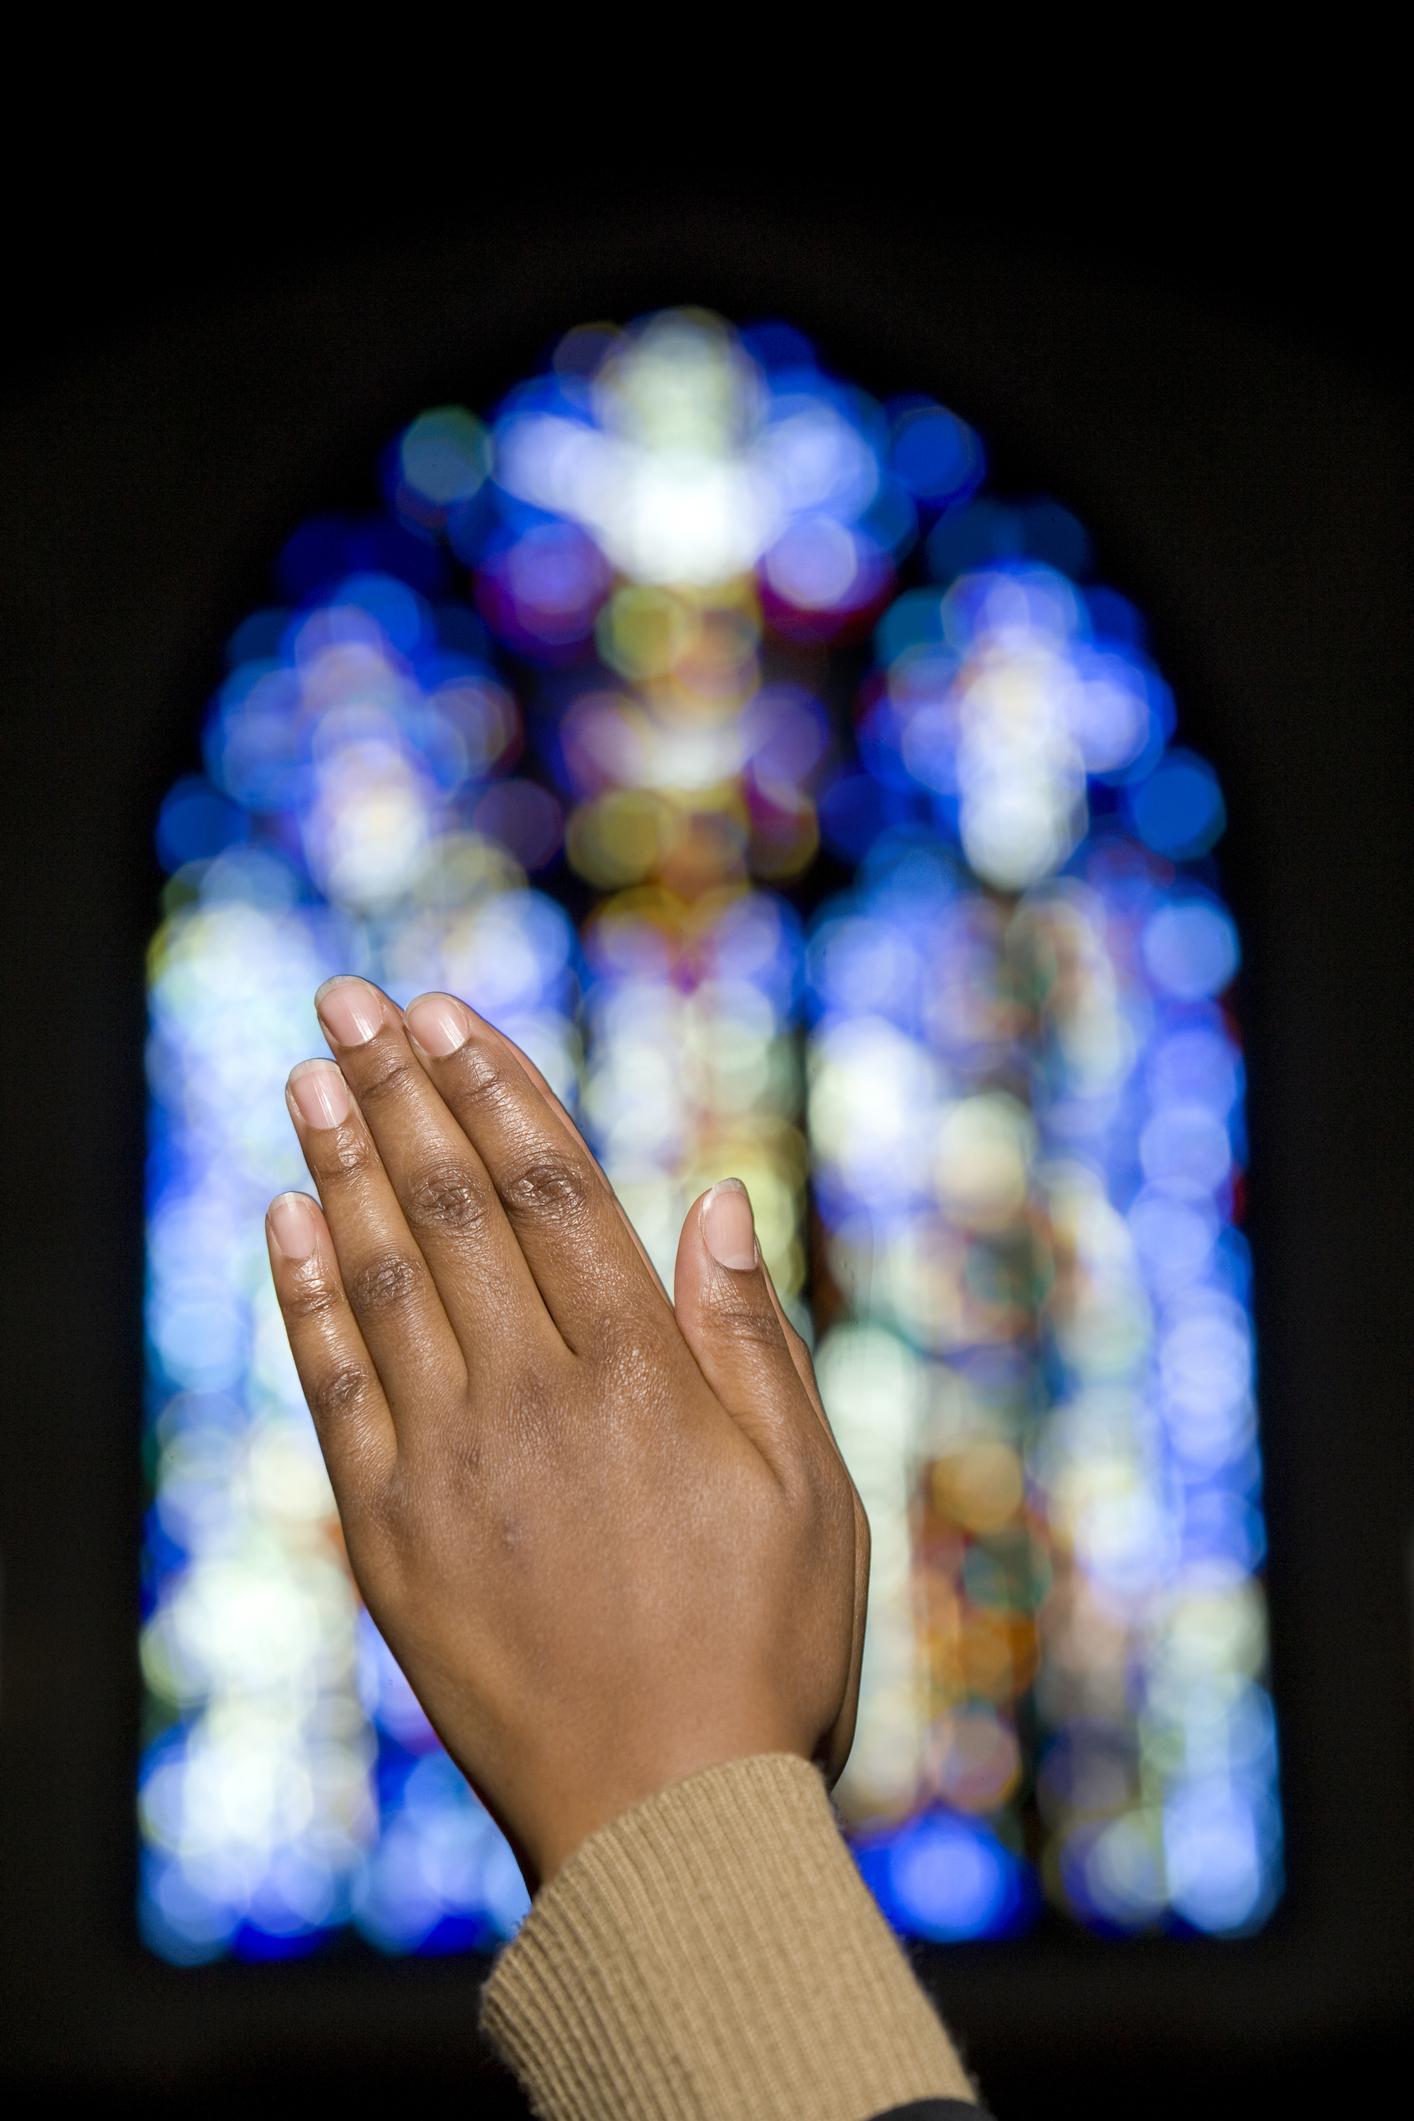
[
  {"x": 587, "y": 1259},
  {"x": 559, "y": 1112}
]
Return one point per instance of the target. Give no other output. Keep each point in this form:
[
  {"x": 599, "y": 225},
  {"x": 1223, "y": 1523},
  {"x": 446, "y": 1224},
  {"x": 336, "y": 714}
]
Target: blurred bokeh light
[{"x": 934, "y": 957}]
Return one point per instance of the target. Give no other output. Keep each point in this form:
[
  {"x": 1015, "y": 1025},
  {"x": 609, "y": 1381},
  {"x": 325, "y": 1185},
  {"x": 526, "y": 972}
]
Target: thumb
[
  {"x": 760, "y": 1370},
  {"x": 727, "y": 1314}
]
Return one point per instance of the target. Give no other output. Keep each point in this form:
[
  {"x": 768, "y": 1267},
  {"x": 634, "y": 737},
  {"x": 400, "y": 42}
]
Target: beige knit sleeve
[{"x": 714, "y": 1955}]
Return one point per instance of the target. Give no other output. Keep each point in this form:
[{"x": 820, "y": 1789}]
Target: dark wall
[{"x": 1247, "y": 486}]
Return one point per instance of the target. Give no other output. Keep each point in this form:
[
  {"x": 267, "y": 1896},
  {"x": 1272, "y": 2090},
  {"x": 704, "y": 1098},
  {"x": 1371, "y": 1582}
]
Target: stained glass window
[{"x": 808, "y": 814}]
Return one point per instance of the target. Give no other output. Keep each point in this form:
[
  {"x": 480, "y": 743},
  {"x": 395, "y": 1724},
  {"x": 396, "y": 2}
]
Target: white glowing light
[{"x": 689, "y": 475}]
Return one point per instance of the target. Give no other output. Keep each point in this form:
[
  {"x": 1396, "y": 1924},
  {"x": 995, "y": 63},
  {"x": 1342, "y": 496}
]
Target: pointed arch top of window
[{"x": 807, "y": 812}]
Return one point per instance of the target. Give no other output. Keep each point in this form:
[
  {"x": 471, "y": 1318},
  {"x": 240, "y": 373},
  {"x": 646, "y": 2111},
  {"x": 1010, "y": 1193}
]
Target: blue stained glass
[
  {"x": 987, "y": 1095},
  {"x": 1178, "y": 809}
]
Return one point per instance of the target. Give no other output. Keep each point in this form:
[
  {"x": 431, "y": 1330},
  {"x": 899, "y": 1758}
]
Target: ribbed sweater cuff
[{"x": 714, "y": 1953}]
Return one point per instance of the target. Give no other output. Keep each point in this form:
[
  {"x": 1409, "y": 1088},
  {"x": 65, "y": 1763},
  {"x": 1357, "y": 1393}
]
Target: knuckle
[
  {"x": 383, "y": 1283},
  {"x": 750, "y": 1325},
  {"x": 346, "y": 1158},
  {"x": 547, "y": 1188},
  {"x": 448, "y": 1198},
  {"x": 312, "y": 1296},
  {"x": 480, "y": 1077},
  {"x": 337, "y": 1392},
  {"x": 386, "y": 1074}
]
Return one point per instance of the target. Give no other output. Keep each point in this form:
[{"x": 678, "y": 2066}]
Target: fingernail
[
  {"x": 349, "y": 1010},
  {"x": 320, "y": 1094},
  {"x": 292, "y": 1225},
  {"x": 438, "y": 1023},
  {"x": 728, "y": 1226}
]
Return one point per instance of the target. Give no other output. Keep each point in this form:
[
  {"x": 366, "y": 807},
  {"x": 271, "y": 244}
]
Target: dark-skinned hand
[{"x": 609, "y": 1539}]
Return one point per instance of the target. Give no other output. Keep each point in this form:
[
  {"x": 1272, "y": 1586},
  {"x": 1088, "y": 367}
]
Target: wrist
[
  {"x": 717, "y": 1935},
  {"x": 567, "y": 1809}
]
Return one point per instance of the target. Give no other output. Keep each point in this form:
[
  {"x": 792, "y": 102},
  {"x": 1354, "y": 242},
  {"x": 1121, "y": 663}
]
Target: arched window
[{"x": 808, "y": 816}]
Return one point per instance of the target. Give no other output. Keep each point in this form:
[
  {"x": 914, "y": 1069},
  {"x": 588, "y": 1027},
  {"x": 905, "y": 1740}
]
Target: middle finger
[{"x": 439, "y": 1187}]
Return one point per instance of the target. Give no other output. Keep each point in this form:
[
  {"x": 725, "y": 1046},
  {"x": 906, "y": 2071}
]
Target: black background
[{"x": 1217, "y": 385}]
